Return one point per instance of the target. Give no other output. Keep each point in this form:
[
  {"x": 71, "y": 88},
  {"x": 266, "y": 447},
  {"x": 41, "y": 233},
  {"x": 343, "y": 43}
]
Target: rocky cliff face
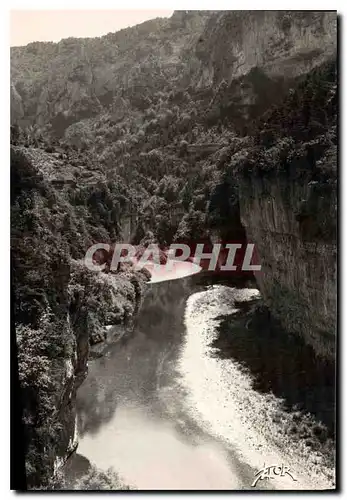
[
  {"x": 78, "y": 79},
  {"x": 282, "y": 44},
  {"x": 288, "y": 206},
  {"x": 255, "y": 54},
  {"x": 254, "y": 58},
  {"x": 298, "y": 255},
  {"x": 60, "y": 309}
]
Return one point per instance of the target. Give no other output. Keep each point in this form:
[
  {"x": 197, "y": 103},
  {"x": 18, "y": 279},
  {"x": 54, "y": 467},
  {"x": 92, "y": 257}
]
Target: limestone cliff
[
  {"x": 281, "y": 43},
  {"x": 60, "y": 309},
  {"x": 288, "y": 206},
  {"x": 298, "y": 279},
  {"x": 75, "y": 79},
  {"x": 253, "y": 54},
  {"x": 254, "y": 57}
]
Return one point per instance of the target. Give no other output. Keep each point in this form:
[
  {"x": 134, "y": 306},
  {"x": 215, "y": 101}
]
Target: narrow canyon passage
[{"x": 181, "y": 402}]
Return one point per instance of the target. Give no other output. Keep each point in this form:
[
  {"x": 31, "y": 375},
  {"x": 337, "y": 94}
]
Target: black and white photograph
[{"x": 174, "y": 249}]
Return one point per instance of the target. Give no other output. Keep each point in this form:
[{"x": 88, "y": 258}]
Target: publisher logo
[{"x": 271, "y": 472}]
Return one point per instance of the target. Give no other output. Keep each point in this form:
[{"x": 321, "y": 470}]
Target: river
[{"x": 200, "y": 396}]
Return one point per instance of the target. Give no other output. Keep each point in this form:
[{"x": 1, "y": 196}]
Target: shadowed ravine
[{"x": 192, "y": 398}]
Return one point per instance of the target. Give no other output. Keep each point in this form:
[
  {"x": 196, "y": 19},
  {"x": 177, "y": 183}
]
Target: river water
[{"x": 198, "y": 396}]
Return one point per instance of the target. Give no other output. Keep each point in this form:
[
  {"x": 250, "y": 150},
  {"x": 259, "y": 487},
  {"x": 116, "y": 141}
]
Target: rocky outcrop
[
  {"x": 293, "y": 225},
  {"x": 17, "y": 110},
  {"x": 281, "y": 43},
  {"x": 50, "y": 414},
  {"x": 254, "y": 57},
  {"x": 288, "y": 206},
  {"x": 61, "y": 308},
  {"x": 243, "y": 59},
  {"x": 79, "y": 78}
]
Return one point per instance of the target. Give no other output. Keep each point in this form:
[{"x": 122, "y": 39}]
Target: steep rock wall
[
  {"x": 61, "y": 308},
  {"x": 297, "y": 253},
  {"x": 288, "y": 206},
  {"x": 281, "y": 43},
  {"x": 252, "y": 59}
]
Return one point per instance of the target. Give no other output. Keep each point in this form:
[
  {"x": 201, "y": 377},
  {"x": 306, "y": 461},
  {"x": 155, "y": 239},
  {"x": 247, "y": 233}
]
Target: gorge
[{"x": 207, "y": 126}]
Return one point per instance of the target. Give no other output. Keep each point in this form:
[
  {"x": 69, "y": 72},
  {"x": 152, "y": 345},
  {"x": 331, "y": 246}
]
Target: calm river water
[{"x": 198, "y": 397}]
